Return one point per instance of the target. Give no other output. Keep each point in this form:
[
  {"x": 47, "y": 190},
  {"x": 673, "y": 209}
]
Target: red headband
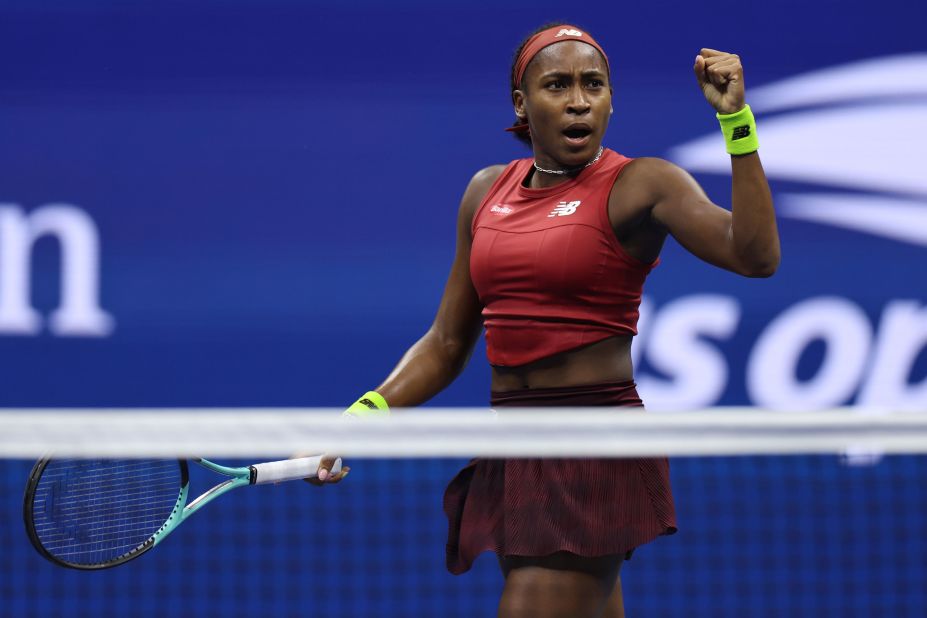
[{"x": 543, "y": 39}]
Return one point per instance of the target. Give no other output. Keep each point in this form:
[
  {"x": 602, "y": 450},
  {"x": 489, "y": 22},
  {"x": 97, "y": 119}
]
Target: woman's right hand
[{"x": 325, "y": 476}]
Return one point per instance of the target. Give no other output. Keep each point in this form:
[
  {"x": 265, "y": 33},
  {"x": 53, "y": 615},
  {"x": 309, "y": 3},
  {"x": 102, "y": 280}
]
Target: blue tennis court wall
[{"x": 239, "y": 204}]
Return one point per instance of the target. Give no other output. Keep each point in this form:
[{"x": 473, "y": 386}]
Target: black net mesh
[{"x": 758, "y": 536}]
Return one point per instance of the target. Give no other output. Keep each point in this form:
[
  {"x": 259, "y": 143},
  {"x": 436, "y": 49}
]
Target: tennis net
[{"x": 780, "y": 514}]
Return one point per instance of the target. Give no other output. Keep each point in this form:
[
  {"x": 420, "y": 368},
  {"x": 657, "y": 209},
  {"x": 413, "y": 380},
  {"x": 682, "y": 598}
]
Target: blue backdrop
[{"x": 239, "y": 203}]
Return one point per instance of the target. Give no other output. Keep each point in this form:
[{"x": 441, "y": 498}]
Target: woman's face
[{"x": 567, "y": 99}]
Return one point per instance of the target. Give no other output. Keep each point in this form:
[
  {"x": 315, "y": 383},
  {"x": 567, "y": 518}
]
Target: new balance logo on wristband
[
  {"x": 741, "y": 132},
  {"x": 368, "y": 403},
  {"x": 564, "y": 208}
]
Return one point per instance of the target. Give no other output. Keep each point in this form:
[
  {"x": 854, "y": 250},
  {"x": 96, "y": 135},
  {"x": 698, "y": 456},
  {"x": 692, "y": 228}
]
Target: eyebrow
[{"x": 586, "y": 73}]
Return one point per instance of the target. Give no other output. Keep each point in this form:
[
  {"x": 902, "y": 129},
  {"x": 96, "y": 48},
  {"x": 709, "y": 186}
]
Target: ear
[{"x": 518, "y": 100}]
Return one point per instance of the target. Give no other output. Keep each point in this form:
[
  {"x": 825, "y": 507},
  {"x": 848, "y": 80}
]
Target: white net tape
[{"x": 456, "y": 432}]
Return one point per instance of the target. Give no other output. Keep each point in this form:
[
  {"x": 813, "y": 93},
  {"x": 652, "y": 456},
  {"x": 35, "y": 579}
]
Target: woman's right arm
[{"x": 441, "y": 354}]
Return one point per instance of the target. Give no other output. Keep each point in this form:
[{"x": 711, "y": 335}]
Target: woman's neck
[
  {"x": 549, "y": 173},
  {"x": 540, "y": 180}
]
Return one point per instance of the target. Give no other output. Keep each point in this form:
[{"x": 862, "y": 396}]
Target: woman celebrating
[{"x": 552, "y": 253}]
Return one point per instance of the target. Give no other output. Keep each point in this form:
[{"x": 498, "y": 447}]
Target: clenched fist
[{"x": 721, "y": 78}]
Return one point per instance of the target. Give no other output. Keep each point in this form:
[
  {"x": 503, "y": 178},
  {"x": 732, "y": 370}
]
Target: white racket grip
[{"x": 290, "y": 469}]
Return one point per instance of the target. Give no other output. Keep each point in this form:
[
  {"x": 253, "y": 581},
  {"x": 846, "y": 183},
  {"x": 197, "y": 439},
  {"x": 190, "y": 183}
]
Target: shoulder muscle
[
  {"x": 657, "y": 182},
  {"x": 476, "y": 190}
]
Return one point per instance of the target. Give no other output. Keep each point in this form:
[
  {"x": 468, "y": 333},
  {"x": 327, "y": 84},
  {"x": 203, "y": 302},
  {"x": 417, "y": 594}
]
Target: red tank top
[{"x": 547, "y": 267}]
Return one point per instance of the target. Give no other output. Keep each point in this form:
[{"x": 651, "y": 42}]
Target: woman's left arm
[{"x": 744, "y": 240}]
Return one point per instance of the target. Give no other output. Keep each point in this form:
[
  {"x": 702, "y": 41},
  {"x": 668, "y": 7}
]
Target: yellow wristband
[
  {"x": 739, "y": 131},
  {"x": 370, "y": 405}
]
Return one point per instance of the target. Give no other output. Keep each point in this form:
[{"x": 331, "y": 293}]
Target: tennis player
[{"x": 552, "y": 253}]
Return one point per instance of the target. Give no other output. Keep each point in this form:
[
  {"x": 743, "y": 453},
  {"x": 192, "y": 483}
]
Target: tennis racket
[{"x": 100, "y": 513}]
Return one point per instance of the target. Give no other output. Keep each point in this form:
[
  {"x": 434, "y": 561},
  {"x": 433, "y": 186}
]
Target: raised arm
[
  {"x": 745, "y": 239},
  {"x": 436, "y": 359}
]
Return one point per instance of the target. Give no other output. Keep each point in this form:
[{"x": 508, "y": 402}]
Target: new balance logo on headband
[
  {"x": 564, "y": 208},
  {"x": 568, "y": 32}
]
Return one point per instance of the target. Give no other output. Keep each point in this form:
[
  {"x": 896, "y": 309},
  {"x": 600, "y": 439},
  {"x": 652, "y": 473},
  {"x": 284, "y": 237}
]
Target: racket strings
[
  {"x": 97, "y": 478},
  {"x": 140, "y": 523},
  {"x": 117, "y": 496},
  {"x": 102, "y": 511},
  {"x": 92, "y": 512}
]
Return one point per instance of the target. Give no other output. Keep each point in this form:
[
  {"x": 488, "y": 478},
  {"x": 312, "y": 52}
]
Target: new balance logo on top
[
  {"x": 741, "y": 132},
  {"x": 568, "y": 32},
  {"x": 563, "y": 209},
  {"x": 501, "y": 209}
]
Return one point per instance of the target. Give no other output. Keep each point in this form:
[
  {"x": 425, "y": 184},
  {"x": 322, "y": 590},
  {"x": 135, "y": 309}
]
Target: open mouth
[
  {"x": 577, "y": 133},
  {"x": 577, "y": 136}
]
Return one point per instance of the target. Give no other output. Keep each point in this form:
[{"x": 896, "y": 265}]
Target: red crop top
[{"x": 549, "y": 272}]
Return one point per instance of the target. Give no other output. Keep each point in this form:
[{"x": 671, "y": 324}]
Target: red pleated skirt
[{"x": 537, "y": 507}]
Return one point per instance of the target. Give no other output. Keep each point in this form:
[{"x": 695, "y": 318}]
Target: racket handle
[{"x": 289, "y": 470}]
